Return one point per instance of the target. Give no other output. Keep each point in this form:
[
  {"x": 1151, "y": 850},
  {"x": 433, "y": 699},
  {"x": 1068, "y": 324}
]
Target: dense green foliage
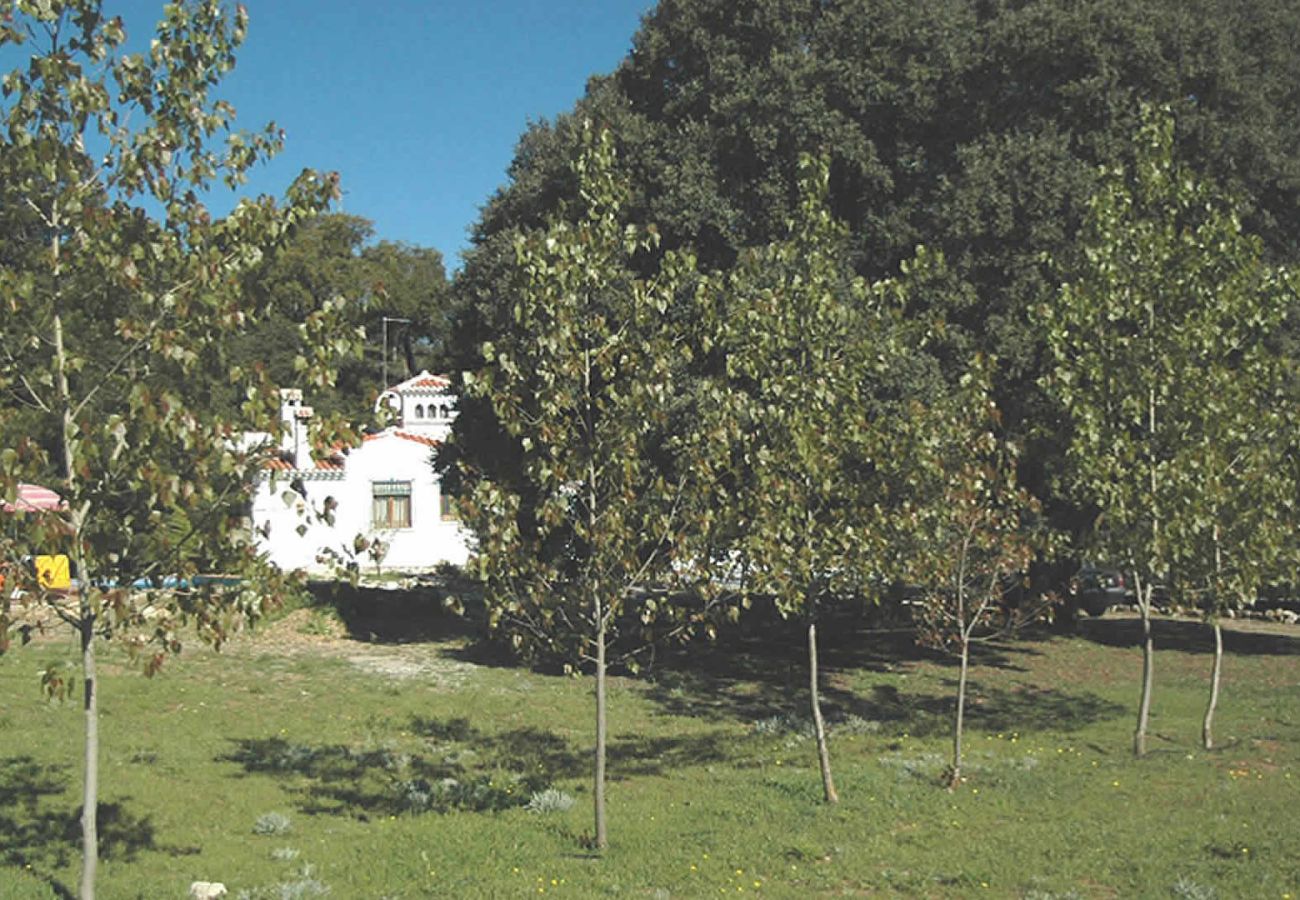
[
  {"x": 1166, "y": 359},
  {"x": 812, "y": 359},
  {"x": 334, "y": 256},
  {"x": 588, "y": 526},
  {"x": 121, "y": 295},
  {"x": 581, "y": 378},
  {"x": 816, "y": 410},
  {"x": 1167, "y": 365},
  {"x": 116, "y": 321},
  {"x": 973, "y": 127},
  {"x": 976, "y": 128}
]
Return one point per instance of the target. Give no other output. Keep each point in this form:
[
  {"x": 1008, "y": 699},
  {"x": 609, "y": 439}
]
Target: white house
[{"x": 384, "y": 490}]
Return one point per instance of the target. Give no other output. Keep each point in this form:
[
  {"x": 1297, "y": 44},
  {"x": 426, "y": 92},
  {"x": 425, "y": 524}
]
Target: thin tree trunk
[
  {"x": 1146, "y": 591},
  {"x": 90, "y": 790},
  {"x": 1148, "y": 669},
  {"x": 1207, "y": 728},
  {"x": 602, "y": 840},
  {"x": 819, "y": 724},
  {"x": 90, "y": 784},
  {"x": 600, "y": 614},
  {"x": 959, "y": 718}
]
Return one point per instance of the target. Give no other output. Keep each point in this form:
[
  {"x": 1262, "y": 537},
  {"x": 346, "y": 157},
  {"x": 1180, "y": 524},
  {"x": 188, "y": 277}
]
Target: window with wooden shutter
[{"x": 391, "y": 504}]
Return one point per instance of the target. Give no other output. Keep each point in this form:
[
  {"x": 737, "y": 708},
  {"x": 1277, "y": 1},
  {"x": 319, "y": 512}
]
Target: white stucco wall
[
  {"x": 424, "y": 408},
  {"x": 387, "y": 456}
]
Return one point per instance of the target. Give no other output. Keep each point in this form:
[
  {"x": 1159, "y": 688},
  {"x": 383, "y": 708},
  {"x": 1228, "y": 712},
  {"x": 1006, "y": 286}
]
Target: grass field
[{"x": 297, "y": 762}]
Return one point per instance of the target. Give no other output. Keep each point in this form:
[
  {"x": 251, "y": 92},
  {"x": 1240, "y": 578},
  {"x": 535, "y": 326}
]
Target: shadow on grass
[
  {"x": 332, "y": 778},
  {"x": 37, "y": 833},
  {"x": 459, "y": 768},
  {"x": 747, "y": 675},
  {"x": 394, "y": 616},
  {"x": 764, "y": 673},
  {"x": 850, "y": 638},
  {"x": 987, "y": 709},
  {"x": 535, "y": 749},
  {"x": 1189, "y": 636}
]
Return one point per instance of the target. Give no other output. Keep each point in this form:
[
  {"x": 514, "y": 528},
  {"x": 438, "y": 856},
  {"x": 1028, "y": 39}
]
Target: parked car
[{"x": 1096, "y": 589}]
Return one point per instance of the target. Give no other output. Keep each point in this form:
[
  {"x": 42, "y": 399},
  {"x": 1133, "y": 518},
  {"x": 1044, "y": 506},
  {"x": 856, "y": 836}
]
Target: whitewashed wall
[{"x": 383, "y": 457}]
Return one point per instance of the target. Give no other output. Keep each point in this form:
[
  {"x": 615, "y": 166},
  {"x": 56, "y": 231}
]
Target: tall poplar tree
[
  {"x": 580, "y": 519},
  {"x": 1165, "y": 363},
  {"x": 812, "y": 356},
  {"x": 1240, "y": 534},
  {"x": 1235, "y": 530},
  {"x": 118, "y": 313}
]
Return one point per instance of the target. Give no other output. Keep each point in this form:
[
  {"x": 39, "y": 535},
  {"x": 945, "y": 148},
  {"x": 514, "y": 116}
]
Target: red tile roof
[
  {"x": 406, "y": 436},
  {"x": 424, "y": 381},
  {"x": 279, "y": 464},
  {"x": 335, "y": 461}
]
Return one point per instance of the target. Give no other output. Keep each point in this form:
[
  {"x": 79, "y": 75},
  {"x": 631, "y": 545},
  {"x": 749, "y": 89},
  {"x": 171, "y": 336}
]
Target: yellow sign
[{"x": 54, "y": 572}]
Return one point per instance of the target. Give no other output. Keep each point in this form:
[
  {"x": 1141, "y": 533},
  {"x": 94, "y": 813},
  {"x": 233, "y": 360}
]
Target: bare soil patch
[{"x": 308, "y": 632}]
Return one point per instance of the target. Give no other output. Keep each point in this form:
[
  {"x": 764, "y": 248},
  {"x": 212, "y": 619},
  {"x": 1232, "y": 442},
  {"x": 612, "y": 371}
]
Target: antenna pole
[{"x": 386, "y": 319}]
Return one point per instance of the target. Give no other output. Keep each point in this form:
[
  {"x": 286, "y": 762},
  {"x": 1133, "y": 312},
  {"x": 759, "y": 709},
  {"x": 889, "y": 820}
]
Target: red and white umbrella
[{"x": 33, "y": 498}]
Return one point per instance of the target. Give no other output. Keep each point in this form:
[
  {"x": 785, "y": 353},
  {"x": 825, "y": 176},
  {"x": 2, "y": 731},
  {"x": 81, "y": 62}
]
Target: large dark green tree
[
  {"x": 973, "y": 126},
  {"x": 121, "y": 294},
  {"x": 333, "y": 256}
]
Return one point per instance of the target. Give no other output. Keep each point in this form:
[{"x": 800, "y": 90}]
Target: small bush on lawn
[
  {"x": 549, "y": 801},
  {"x": 271, "y": 823},
  {"x": 302, "y": 886},
  {"x": 478, "y": 794}
]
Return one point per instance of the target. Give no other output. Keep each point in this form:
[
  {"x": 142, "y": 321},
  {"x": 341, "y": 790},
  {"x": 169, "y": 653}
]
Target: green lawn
[{"x": 715, "y": 787}]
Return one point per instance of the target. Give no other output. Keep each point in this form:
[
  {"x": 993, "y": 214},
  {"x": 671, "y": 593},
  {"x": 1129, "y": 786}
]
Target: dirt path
[{"x": 307, "y": 632}]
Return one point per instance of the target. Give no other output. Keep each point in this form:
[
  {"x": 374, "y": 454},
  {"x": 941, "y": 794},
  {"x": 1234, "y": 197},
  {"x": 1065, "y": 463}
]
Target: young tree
[
  {"x": 974, "y": 532},
  {"x": 1247, "y": 540},
  {"x": 119, "y": 310},
  {"x": 1162, "y": 346},
  {"x": 810, "y": 350},
  {"x": 581, "y": 523},
  {"x": 1235, "y": 534}
]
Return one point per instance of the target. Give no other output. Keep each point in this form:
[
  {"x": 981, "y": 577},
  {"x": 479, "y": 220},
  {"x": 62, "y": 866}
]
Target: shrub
[
  {"x": 549, "y": 801},
  {"x": 271, "y": 823},
  {"x": 478, "y": 794},
  {"x": 302, "y": 886}
]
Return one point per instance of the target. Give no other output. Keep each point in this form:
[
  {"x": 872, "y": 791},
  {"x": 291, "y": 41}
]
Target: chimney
[{"x": 295, "y": 441}]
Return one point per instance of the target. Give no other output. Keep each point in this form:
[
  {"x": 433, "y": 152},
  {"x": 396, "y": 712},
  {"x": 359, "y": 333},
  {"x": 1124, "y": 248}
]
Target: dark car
[{"x": 1095, "y": 589}]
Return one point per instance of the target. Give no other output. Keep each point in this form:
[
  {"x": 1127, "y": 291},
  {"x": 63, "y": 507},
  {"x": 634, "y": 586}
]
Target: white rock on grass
[{"x": 207, "y": 890}]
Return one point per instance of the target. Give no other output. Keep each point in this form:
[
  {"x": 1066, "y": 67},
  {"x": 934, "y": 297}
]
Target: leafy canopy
[
  {"x": 122, "y": 293},
  {"x": 582, "y": 519},
  {"x": 1169, "y": 365},
  {"x": 814, "y": 358}
]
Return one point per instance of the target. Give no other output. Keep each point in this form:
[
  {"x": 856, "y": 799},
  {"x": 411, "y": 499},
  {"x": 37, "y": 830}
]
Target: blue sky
[{"x": 417, "y": 104}]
